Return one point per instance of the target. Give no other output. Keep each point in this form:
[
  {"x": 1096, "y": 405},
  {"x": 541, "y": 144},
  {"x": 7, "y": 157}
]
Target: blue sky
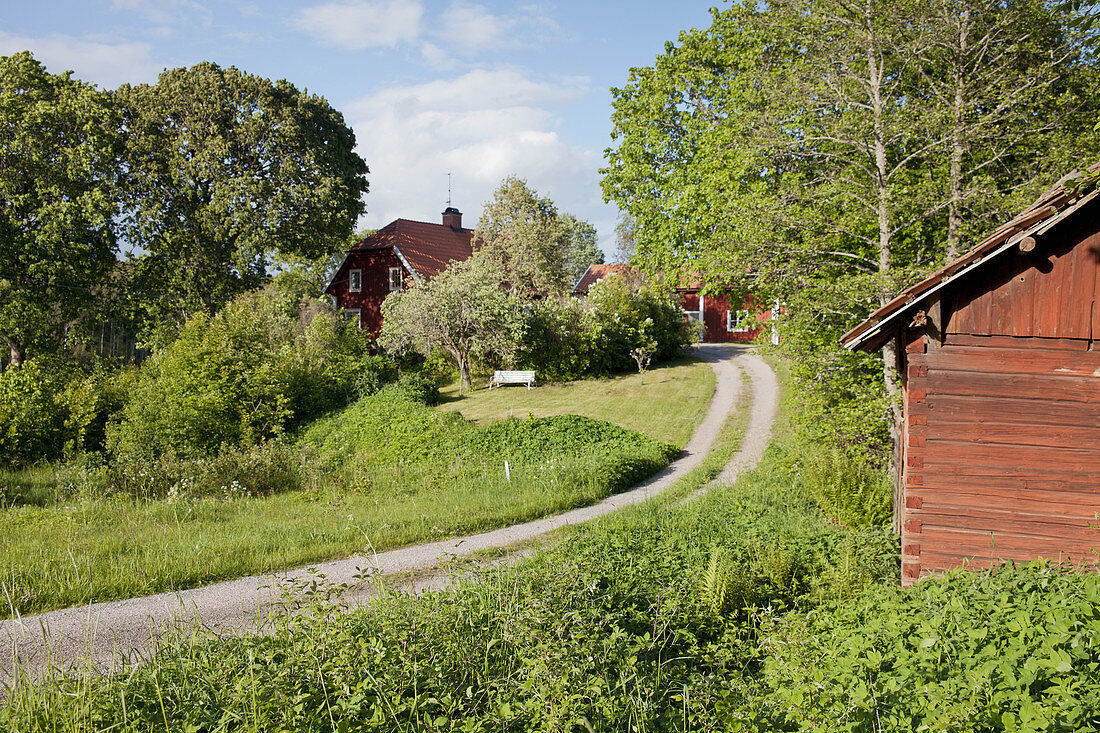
[{"x": 479, "y": 89}]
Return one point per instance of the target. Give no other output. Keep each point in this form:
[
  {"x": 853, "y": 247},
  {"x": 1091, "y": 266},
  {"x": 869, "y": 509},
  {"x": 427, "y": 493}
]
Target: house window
[
  {"x": 352, "y": 314},
  {"x": 396, "y": 278},
  {"x": 355, "y": 281},
  {"x": 694, "y": 315},
  {"x": 737, "y": 321}
]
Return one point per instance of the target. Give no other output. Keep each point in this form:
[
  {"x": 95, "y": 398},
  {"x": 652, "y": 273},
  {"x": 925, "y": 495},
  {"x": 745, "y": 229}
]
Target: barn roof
[
  {"x": 1052, "y": 207},
  {"x": 595, "y": 273},
  {"x": 426, "y": 249}
]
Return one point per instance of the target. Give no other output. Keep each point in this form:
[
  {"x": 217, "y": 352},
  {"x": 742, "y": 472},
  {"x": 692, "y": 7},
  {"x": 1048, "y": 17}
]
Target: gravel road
[{"x": 109, "y": 635}]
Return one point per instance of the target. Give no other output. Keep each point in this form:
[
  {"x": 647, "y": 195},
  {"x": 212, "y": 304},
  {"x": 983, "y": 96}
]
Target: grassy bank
[
  {"x": 746, "y": 609},
  {"x": 666, "y": 404},
  {"x": 399, "y": 475}
]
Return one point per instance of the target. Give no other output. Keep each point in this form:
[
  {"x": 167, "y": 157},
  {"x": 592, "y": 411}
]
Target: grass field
[
  {"x": 666, "y": 405},
  {"x": 62, "y": 550}
]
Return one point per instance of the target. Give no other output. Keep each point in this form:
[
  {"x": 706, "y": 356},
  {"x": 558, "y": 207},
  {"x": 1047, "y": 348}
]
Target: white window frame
[
  {"x": 355, "y": 281},
  {"x": 354, "y": 313},
  {"x": 697, "y": 315},
  {"x": 740, "y": 324},
  {"x": 400, "y": 279}
]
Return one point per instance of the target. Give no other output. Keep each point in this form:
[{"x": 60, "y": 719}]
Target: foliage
[
  {"x": 625, "y": 238},
  {"x": 748, "y": 155},
  {"x": 582, "y": 249},
  {"x": 1007, "y": 649},
  {"x": 225, "y": 168},
  {"x": 561, "y": 435},
  {"x": 524, "y": 234},
  {"x": 462, "y": 311},
  {"x": 847, "y": 489},
  {"x": 611, "y": 627},
  {"x": 571, "y": 339},
  {"x": 58, "y": 176},
  {"x": 32, "y": 415},
  {"x": 257, "y": 368},
  {"x": 232, "y": 472}
]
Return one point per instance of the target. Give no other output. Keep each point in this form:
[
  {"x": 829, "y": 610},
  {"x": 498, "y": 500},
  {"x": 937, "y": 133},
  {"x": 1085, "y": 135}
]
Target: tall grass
[{"x": 384, "y": 473}]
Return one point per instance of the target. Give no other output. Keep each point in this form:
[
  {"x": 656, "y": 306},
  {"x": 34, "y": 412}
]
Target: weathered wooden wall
[{"x": 1001, "y": 431}]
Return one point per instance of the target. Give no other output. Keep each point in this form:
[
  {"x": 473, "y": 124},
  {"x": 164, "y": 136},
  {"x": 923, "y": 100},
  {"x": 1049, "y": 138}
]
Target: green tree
[
  {"x": 462, "y": 310},
  {"x": 817, "y": 150},
  {"x": 58, "y": 175},
  {"x": 625, "y": 238},
  {"x": 267, "y": 361},
  {"x": 582, "y": 247},
  {"x": 225, "y": 170},
  {"x": 523, "y": 232}
]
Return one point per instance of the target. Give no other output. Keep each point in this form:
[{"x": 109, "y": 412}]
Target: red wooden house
[
  {"x": 719, "y": 322},
  {"x": 999, "y": 354},
  {"x": 385, "y": 261}
]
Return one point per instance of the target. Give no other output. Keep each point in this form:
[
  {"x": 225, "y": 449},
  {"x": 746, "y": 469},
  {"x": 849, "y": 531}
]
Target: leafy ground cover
[
  {"x": 666, "y": 405},
  {"x": 747, "y": 609},
  {"x": 386, "y": 472}
]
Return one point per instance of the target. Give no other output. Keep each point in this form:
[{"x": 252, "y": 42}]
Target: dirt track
[{"x": 106, "y": 635}]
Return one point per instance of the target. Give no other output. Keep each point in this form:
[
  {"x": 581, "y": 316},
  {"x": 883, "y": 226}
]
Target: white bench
[{"x": 506, "y": 377}]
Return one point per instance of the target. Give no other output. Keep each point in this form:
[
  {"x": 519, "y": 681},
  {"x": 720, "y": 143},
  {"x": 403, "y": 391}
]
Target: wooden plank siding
[{"x": 1002, "y": 452}]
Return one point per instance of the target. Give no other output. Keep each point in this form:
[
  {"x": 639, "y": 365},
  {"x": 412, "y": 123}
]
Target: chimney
[{"x": 452, "y": 218}]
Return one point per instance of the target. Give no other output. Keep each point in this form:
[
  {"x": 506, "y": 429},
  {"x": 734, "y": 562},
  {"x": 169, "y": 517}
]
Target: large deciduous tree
[
  {"x": 462, "y": 311},
  {"x": 522, "y": 231},
  {"x": 58, "y": 172},
  {"x": 226, "y": 168},
  {"x": 831, "y": 152}
]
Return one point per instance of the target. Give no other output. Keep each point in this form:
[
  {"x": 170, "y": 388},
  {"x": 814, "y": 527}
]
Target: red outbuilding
[
  {"x": 999, "y": 355},
  {"x": 385, "y": 261},
  {"x": 720, "y": 323}
]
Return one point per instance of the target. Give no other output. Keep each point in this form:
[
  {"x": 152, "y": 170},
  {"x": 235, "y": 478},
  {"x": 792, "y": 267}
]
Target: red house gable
[{"x": 385, "y": 260}]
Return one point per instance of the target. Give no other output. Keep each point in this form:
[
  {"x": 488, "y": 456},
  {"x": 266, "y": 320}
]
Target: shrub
[
  {"x": 1007, "y": 649},
  {"x": 847, "y": 489},
  {"x": 256, "y": 369},
  {"x": 32, "y": 416},
  {"x": 573, "y": 339},
  {"x": 567, "y": 435},
  {"x": 374, "y": 373},
  {"x": 416, "y": 387}
]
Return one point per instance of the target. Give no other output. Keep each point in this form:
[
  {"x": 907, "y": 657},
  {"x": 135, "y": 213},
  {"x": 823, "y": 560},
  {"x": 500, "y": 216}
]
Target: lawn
[
  {"x": 666, "y": 405},
  {"x": 78, "y": 545}
]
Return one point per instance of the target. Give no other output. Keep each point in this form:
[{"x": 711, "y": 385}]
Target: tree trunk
[
  {"x": 958, "y": 144},
  {"x": 17, "y": 349},
  {"x": 463, "y": 371}
]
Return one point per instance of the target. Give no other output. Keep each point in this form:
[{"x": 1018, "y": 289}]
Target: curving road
[{"x": 109, "y": 635}]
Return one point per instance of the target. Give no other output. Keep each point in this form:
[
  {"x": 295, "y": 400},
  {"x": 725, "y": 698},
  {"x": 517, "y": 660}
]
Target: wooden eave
[{"x": 1052, "y": 208}]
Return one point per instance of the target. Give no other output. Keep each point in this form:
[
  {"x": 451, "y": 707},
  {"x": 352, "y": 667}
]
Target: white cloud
[
  {"x": 105, "y": 64},
  {"x": 471, "y": 28},
  {"x": 360, "y": 24},
  {"x": 481, "y": 126}
]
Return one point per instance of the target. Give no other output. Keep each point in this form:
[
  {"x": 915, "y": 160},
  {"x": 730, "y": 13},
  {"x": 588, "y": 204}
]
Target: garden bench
[{"x": 512, "y": 377}]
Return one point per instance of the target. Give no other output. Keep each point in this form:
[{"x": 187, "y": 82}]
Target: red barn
[
  {"x": 387, "y": 259},
  {"x": 999, "y": 355},
  {"x": 720, "y": 322}
]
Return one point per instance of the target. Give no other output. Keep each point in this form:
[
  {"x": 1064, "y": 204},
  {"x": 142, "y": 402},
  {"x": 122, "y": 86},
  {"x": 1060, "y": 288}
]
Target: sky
[{"x": 480, "y": 90}]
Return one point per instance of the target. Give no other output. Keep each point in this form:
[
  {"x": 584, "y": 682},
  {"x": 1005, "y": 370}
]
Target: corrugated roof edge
[{"x": 1052, "y": 207}]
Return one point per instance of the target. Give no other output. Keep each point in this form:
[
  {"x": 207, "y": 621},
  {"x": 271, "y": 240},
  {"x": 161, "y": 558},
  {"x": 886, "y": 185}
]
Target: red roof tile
[
  {"x": 427, "y": 248},
  {"x": 595, "y": 273}
]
